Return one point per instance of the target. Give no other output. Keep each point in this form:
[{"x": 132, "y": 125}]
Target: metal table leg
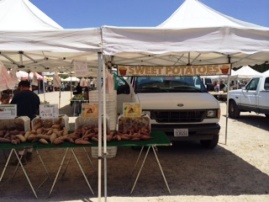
[
  {"x": 22, "y": 167},
  {"x": 138, "y": 158},
  {"x": 7, "y": 162},
  {"x": 154, "y": 148},
  {"x": 142, "y": 165},
  {"x": 82, "y": 171},
  {"x": 157, "y": 159},
  {"x": 61, "y": 165},
  {"x": 46, "y": 170},
  {"x": 56, "y": 177}
]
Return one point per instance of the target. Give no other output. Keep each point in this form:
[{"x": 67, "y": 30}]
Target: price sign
[
  {"x": 132, "y": 110},
  {"x": 89, "y": 110},
  {"x": 8, "y": 111},
  {"x": 47, "y": 111}
]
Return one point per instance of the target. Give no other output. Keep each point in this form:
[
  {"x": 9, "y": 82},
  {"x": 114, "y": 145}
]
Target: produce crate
[
  {"x": 21, "y": 123},
  {"x": 63, "y": 120},
  {"x": 133, "y": 123},
  {"x": 81, "y": 122},
  {"x": 111, "y": 106},
  {"x": 111, "y": 152}
]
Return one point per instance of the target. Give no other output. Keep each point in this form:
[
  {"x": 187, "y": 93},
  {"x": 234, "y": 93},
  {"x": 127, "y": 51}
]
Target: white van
[{"x": 179, "y": 106}]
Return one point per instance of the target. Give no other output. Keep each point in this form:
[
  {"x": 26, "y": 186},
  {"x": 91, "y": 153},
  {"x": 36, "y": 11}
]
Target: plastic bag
[{"x": 109, "y": 82}]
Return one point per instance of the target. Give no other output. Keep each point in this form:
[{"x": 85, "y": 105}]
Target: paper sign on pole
[
  {"x": 89, "y": 110},
  {"x": 48, "y": 111},
  {"x": 132, "y": 110},
  {"x": 81, "y": 68},
  {"x": 8, "y": 111}
]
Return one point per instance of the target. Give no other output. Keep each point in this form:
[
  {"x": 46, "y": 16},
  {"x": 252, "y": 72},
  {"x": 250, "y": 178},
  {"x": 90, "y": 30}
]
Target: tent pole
[
  {"x": 44, "y": 88},
  {"x": 227, "y": 107},
  {"x": 104, "y": 134},
  {"x": 227, "y": 101},
  {"x": 100, "y": 58}
]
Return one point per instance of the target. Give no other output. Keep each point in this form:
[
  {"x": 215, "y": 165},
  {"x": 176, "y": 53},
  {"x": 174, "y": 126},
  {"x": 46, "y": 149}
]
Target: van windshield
[{"x": 169, "y": 84}]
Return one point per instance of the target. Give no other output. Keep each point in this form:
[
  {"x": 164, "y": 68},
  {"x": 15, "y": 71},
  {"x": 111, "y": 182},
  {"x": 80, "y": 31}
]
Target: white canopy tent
[
  {"x": 32, "y": 41},
  {"x": 245, "y": 72},
  {"x": 193, "y": 35},
  {"x": 195, "y": 14},
  {"x": 71, "y": 79},
  {"x": 23, "y": 15},
  {"x": 17, "y": 17},
  {"x": 55, "y": 50},
  {"x": 266, "y": 72}
]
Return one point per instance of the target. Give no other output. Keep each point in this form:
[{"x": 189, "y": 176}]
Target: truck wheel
[
  {"x": 210, "y": 144},
  {"x": 233, "y": 110}
]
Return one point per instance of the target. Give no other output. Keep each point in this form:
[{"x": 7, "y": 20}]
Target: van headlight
[{"x": 212, "y": 113}]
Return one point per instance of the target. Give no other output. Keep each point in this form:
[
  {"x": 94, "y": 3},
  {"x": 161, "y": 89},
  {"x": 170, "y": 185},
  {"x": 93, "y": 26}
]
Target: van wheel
[
  {"x": 210, "y": 144},
  {"x": 233, "y": 110}
]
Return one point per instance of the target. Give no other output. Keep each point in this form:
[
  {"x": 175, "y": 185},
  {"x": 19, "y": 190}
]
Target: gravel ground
[{"x": 235, "y": 171}]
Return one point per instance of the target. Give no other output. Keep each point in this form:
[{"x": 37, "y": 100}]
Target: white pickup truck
[
  {"x": 254, "y": 97},
  {"x": 179, "y": 106}
]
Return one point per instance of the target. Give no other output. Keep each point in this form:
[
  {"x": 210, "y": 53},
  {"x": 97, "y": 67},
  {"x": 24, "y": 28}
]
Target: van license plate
[{"x": 182, "y": 132}]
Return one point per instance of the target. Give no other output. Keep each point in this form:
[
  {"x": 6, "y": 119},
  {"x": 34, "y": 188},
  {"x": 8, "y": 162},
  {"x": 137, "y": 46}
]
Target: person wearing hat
[{"x": 27, "y": 105}]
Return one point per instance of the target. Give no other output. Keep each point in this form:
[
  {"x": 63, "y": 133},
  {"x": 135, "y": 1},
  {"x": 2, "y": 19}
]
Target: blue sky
[{"x": 95, "y": 13}]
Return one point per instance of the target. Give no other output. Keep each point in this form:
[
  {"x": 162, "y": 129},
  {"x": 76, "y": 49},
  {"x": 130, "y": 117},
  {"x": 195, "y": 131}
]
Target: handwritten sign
[
  {"x": 222, "y": 69},
  {"x": 47, "y": 111},
  {"x": 8, "y": 111},
  {"x": 132, "y": 110},
  {"x": 81, "y": 68},
  {"x": 89, "y": 110}
]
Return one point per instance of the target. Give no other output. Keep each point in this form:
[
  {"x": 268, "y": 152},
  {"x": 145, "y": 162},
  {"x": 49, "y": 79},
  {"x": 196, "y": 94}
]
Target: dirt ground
[{"x": 235, "y": 171}]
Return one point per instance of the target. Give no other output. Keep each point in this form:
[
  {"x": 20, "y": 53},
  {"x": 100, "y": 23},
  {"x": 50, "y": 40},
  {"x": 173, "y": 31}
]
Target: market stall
[{"x": 186, "y": 40}]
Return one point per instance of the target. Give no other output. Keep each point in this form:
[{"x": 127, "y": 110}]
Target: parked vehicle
[
  {"x": 179, "y": 106},
  {"x": 207, "y": 81},
  {"x": 254, "y": 97}
]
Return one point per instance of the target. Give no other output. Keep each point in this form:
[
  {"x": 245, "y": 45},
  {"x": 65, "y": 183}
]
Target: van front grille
[{"x": 178, "y": 116}]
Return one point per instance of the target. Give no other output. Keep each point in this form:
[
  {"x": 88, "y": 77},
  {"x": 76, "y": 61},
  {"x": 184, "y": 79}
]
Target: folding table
[
  {"x": 68, "y": 147},
  {"x": 13, "y": 150},
  {"x": 158, "y": 139}
]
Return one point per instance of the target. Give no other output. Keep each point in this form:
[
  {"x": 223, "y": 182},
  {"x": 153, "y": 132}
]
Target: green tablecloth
[{"x": 158, "y": 139}]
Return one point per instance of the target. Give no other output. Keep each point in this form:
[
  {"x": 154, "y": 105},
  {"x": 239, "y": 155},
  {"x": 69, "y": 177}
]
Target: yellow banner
[{"x": 222, "y": 69}]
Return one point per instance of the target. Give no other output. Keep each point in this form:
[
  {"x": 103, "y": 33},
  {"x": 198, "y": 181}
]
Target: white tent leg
[
  {"x": 227, "y": 108},
  {"x": 100, "y": 63}
]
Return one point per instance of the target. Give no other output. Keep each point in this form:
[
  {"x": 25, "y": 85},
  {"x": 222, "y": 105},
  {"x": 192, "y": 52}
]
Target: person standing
[
  {"x": 27, "y": 105},
  {"x": 5, "y": 97}
]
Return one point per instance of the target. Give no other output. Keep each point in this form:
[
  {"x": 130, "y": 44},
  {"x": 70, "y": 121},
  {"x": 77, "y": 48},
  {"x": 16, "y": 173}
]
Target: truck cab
[
  {"x": 178, "y": 105},
  {"x": 251, "y": 98}
]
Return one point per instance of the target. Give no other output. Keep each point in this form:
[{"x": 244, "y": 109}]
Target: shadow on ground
[
  {"x": 259, "y": 121},
  {"x": 189, "y": 169}
]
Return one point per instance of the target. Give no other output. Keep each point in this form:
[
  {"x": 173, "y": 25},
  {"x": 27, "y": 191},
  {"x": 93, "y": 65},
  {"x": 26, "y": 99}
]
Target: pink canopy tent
[{"x": 22, "y": 75}]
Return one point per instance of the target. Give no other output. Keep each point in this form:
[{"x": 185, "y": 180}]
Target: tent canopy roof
[
  {"x": 194, "y": 46},
  {"x": 194, "y": 34},
  {"x": 195, "y": 14},
  {"x": 23, "y": 15},
  {"x": 53, "y": 50}
]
